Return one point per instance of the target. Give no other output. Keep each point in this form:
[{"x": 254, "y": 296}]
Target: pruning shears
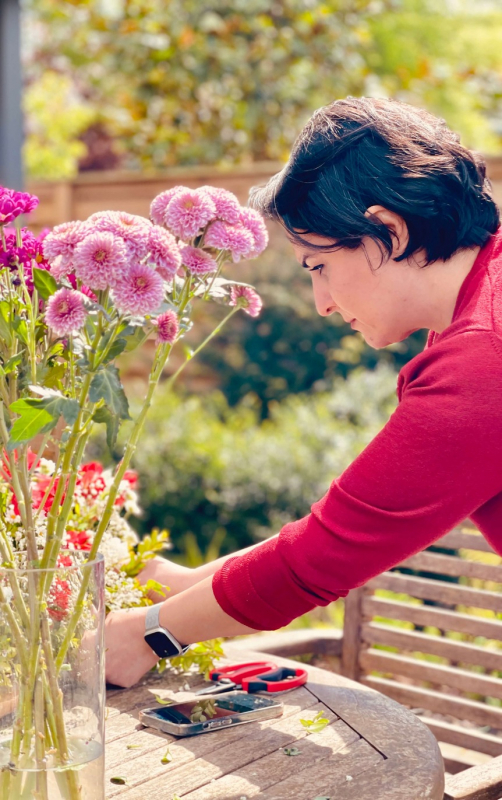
[{"x": 254, "y": 676}]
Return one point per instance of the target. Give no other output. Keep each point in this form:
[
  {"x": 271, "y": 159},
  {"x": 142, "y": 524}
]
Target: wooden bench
[{"x": 431, "y": 641}]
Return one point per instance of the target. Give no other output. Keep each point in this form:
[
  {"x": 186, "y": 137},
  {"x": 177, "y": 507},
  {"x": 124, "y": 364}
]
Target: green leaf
[
  {"x": 155, "y": 586},
  {"x": 13, "y": 362},
  {"x": 106, "y": 386},
  {"x": 112, "y": 422},
  {"x": 161, "y": 701},
  {"x": 21, "y": 329},
  {"x": 134, "y": 746},
  {"x": 54, "y": 376},
  {"x": 292, "y": 751},
  {"x": 115, "y": 350},
  {"x": 33, "y": 418},
  {"x": 5, "y": 327},
  {"x": 166, "y": 758},
  {"x": 317, "y": 724},
  {"x": 118, "y": 781},
  {"x": 45, "y": 283}
]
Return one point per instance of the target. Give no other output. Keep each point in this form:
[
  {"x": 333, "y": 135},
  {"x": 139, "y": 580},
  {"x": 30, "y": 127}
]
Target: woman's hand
[{"x": 173, "y": 576}]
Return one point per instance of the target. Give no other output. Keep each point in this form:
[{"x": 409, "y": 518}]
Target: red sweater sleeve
[{"x": 436, "y": 461}]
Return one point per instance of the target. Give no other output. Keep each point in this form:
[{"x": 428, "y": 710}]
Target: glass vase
[{"x": 52, "y": 686}]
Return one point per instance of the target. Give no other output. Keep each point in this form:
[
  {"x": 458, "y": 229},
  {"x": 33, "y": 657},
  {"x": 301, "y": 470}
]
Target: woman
[{"x": 393, "y": 219}]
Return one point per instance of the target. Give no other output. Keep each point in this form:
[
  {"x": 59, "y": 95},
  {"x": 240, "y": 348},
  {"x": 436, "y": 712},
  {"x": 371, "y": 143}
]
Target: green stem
[
  {"x": 214, "y": 333},
  {"x": 41, "y": 776}
]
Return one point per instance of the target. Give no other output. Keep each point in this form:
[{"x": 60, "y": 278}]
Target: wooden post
[
  {"x": 11, "y": 117},
  {"x": 352, "y": 624}
]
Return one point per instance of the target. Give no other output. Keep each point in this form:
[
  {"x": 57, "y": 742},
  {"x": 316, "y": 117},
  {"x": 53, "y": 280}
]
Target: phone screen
[{"x": 232, "y": 704}]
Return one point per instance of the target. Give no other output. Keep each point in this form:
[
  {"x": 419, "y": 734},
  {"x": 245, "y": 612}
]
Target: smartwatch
[{"x": 159, "y": 639}]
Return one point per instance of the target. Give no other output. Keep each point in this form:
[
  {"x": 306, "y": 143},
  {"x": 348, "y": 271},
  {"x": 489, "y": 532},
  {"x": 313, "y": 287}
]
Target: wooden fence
[{"x": 133, "y": 192}]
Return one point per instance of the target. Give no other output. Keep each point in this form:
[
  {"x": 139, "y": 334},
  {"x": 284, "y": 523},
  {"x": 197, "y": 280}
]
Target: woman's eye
[{"x": 318, "y": 268}]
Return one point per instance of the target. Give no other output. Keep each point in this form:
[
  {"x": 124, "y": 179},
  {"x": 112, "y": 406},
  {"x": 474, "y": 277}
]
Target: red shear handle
[
  {"x": 236, "y": 672},
  {"x": 280, "y": 680}
]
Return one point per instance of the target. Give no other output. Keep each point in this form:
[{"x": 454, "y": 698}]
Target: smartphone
[{"x": 234, "y": 708}]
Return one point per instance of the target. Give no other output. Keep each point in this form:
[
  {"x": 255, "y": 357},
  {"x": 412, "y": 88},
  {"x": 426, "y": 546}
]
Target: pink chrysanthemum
[
  {"x": 100, "y": 259},
  {"x": 140, "y": 291},
  {"x": 13, "y": 204},
  {"x": 134, "y": 230},
  {"x": 61, "y": 267},
  {"x": 254, "y": 223},
  {"x": 246, "y": 298},
  {"x": 160, "y": 203},
  {"x": 66, "y": 312},
  {"x": 63, "y": 239},
  {"x": 188, "y": 212},
  {"x": 164, "y": 252},
  {"x": 228, "y": 207},
  {"x": 198, "y": 261},
  {"x": 235, "y": 238},
  {"x": 167, "y": 328}
]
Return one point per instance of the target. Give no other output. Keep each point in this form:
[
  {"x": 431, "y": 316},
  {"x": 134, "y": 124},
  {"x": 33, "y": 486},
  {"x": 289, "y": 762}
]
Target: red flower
[
  {"x": 90, "y": 481},
  {"x": 59, "y": 599},
  {"x": 81, "y": 540}
]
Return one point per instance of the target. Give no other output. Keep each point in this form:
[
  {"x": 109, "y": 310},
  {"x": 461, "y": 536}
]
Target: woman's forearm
[
  {"x": 194, "y": 615},
  {"x": 205, "y": 570}
]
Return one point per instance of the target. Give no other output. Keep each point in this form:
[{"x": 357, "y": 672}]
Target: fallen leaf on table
[
  {"x": 166, "y": 758},
  {"x": 134, "y": 746},
  {"x": 317, "y": 724},
  {"x": 292, "y": 751},
  {"x": 161, "y": 701},
  {"x": 119, "y": 781}
]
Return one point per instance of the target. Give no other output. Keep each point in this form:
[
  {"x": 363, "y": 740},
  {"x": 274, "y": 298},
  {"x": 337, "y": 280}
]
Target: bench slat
[
  {"x": 412, "y": 641},
  {"x": 430, "y": 616},
  {"x": 464, "y": 680},
  {"x": 425, "y": 589}
]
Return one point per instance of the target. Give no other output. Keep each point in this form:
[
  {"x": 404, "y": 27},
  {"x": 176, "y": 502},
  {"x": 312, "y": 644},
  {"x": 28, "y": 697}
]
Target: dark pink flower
[
  {"x": 134, "y": 230},
  {"x": 160, "y": 203},
  {"x": 140, "y": 291},
  {"x": 167, "y": 328},
  {"x": 65, "y": 312},
  {"x": 12, "y": 255},
  {"x": 164, "y": 252},
  {"x": 100, "y": 259},
  {"x": 198, "y": 261},
  {"x": 246, "y": 298},
  {"x": 13, "y": 204},
  {"x": 237, "y": 239},
  {"x": 254, "y": 223},
  {"x": 188, "y": 212},
  {"x": 228, "y": 207}
]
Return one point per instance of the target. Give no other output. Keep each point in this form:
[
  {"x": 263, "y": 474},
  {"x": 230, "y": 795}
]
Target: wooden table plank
[
  {"x": 196, "y": 761},
  {"x": 385, "y": 750},
  {"x": 252, "y": 779}
]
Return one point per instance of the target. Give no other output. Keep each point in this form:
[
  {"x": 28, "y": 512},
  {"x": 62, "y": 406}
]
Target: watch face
[{"x": 161, "y": 644}]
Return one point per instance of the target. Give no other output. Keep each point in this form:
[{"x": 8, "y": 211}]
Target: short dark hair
[{"x": 363, "y": 151}]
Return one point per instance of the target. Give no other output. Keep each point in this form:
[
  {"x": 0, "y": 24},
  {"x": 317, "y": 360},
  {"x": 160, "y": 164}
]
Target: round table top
[{"x": 373, "y": 748}]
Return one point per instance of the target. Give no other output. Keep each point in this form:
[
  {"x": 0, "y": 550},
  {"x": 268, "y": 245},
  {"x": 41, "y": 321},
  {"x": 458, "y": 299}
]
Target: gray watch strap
[{"x": 152, "y": 617}]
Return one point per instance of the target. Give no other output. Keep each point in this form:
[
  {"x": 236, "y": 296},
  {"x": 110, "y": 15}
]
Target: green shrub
[{"x": 219, "y": 479}]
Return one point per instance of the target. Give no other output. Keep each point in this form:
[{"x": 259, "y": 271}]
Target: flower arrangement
[{"x": 71, "y": 302}]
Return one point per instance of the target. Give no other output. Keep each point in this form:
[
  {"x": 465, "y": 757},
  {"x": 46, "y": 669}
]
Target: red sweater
[{"x": 437, "y": 461}]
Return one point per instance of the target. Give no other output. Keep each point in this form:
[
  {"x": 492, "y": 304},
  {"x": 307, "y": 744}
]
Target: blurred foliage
[
  {"x": 180, "y": 82},
  {"x": 219, "y": 479},
  {"x": 56, "y": 117}
]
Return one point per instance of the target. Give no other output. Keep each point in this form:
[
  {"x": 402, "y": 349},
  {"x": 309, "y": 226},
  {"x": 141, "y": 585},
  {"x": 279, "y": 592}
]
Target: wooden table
[{"x": 373, "y": 748}]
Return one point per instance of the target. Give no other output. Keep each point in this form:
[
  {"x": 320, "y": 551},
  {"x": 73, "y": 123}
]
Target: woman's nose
[{"x": 323, "y": 301}]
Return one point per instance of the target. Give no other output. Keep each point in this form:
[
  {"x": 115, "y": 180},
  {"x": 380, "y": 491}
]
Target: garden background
[{"x": 122, "y": 95}]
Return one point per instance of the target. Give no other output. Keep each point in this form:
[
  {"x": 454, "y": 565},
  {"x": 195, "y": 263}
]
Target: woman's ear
[{"x": 396, "y": 225}]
